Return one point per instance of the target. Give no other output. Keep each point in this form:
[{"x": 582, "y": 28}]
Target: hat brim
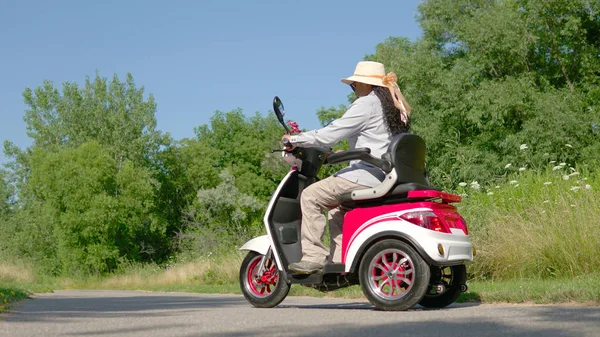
[{"x": 363, "y": 79}]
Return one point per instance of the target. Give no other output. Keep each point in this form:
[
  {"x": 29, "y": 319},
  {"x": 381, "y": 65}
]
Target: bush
[{"x": 220, "y": 219}]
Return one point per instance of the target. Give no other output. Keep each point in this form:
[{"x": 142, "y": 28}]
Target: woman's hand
[{"x": 286, "y": 142}]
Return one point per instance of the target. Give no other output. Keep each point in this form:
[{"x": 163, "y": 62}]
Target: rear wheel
[
  {"x": 393, "y": 276},
  {"x": 452, "y": 279},
  {"x": 263, "y": 289}
]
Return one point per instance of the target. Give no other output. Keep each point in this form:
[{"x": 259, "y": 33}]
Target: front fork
[{"x": 261, "y": 265}]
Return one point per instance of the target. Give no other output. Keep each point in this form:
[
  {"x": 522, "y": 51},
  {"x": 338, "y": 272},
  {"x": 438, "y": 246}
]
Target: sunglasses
[{"x": 353, "y": 86}]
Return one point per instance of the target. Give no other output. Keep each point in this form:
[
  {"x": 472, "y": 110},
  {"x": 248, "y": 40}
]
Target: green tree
[
  {"x": 98, "y": 169},
  {"x": 567, "y": 39},
  {"x": 488, "y": 76},
  {"x": 103, "y": 213},
  {"x": 114, "y": 114},
  {"x": 6, "y": 195},
  {"x": 242, "y": 145}
]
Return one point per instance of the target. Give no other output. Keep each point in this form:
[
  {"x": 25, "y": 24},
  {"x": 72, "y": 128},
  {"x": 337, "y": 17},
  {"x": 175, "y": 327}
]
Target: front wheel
[
  {"x": 393, "y": 276},
  {"x": 452, "y": 279},
  {"x": 263, "y": 289}
]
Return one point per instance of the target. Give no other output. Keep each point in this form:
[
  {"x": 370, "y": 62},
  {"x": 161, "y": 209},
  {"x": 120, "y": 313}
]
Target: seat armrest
[{"x": 363, "y": 154}]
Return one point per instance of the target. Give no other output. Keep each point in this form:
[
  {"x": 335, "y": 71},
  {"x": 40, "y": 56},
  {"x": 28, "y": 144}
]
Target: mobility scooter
[{"x": 403, "y": 241}]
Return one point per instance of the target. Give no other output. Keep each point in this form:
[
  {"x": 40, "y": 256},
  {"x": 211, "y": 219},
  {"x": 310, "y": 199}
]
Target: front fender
[{"x": 259, "y": 244}]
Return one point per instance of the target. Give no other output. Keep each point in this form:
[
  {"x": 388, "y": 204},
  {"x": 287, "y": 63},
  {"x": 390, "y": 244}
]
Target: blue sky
[{"x": 195, "y": 57}]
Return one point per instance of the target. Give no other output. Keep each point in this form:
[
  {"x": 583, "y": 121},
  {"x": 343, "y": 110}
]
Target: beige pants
[{"x": 316, "y": 198}]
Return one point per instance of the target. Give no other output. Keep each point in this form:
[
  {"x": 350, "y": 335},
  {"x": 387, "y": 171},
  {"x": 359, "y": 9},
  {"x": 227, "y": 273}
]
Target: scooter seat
[{"x": 396, "y": 194}]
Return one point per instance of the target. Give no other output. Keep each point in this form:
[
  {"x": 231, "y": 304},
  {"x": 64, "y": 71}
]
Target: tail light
[
  {"x": 426, "y": 219},
  {"x": 440, "y": 220}
]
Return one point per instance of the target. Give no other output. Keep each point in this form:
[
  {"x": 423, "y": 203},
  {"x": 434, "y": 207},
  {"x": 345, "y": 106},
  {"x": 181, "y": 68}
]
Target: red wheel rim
[
  {"x": 391, "y": 274},
  {"x": 264, "y": 284}
]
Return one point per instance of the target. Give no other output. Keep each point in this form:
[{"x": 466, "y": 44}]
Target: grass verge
[
  {"x": 10, "y": 293},
  {"x": 17, "y": 282},
  {"x": 541, "y": 225},
  {"x": 585, "y": 289}
]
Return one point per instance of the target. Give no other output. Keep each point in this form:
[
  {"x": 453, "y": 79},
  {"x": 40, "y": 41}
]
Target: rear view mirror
[{"x": 280, "y": 112}]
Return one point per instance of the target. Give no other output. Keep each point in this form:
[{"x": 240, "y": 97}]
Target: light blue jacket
[{"x": 363, "y": 125}]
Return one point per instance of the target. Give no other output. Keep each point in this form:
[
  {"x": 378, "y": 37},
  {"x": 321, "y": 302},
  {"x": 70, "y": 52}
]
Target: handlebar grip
[{"x": 286, "y": 143}]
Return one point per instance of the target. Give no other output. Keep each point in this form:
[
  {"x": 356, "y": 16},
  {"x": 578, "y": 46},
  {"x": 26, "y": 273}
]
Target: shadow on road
[
  {"x": 50, "y": 308},
  {"x": 367, "y": 306},
  {"x": 422, "y": 329}
]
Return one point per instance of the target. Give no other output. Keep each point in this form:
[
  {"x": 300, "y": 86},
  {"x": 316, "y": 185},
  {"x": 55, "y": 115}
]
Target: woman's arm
[{"x": 352, "y": 122}]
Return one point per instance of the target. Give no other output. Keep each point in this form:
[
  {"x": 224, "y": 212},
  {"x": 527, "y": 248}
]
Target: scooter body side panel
[
  {"x": 363, "y": 225},
  {"x": 271, "y": 236}
]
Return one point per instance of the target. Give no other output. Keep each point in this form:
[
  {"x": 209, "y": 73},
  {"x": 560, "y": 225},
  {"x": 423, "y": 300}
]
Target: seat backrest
[{"x": 407, "y": 152}]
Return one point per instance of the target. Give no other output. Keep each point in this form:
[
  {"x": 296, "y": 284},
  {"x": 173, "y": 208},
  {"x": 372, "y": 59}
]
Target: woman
[{"x": 379, "y": 112}]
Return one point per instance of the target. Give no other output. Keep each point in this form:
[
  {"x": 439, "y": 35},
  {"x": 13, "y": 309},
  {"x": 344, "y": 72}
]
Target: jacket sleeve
[{"x": 352, "y": 122}]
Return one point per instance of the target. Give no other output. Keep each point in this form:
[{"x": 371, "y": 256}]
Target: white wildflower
[
  {"x": 513, "y": 182},
  {"x": 507, "y": 165},
  {"x": 490, "y": 193},
  {"x": 574, "y": 188},
  {"x": 556, "y": 168},
  {"x": 563, "y": 164},
  {"x": 573, "y": 205},
  {"x": 523, "y": 147},
  {"x": 546, "y": 201},
  {"x": 547, "y": 183},
  {"x": 517, "y": 185},
  {"x": 584, "y": 178},
  {"x": 462, "y": 184},
  {"x": 552, "y": 161},
  {"x": 464, "y": 195},
  {"x": 543, "y": 212},
  {"x": 588, "y": 186},
  {"x": 569, "y": 145},
  {"x": 572, "y": 169},
  {"x": 497, "y": 186},
  {"x": 521, "y": 169},
  {"x": 574, "y": 174},
  {"x": 475, "y": 185},
  {"x": 546, "y": 154},
  {"x": 565, "y": 177}
]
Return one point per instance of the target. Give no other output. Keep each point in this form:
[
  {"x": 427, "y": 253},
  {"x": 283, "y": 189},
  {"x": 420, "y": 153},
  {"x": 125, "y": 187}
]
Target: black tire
[
  {"x": 452, "y": 278},
  {"x": 261, "y": 294},
  {"x": 400, "y": 259}
]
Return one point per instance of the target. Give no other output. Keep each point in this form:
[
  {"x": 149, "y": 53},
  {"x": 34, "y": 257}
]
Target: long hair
[{"x": 391, "y": 114}]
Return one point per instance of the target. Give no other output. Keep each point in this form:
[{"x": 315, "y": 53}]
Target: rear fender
[
  {"x": 409, "y": 233},
  {"x": 259, "y": 244}
]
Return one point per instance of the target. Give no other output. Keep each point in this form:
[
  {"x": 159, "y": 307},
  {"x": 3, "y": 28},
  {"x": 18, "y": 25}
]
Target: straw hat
[
  {"x": 373, "y": 73},
  {"x": 368, "y": 72}
]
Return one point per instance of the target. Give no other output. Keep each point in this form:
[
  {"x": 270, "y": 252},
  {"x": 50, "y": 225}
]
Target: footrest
[
  {"x": 334, "y": 268},
  {"x": 315, "y": 278}
]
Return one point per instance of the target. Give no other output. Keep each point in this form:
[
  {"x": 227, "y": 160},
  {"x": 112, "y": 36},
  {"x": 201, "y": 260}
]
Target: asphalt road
[{"x": 137, "y": 313}]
